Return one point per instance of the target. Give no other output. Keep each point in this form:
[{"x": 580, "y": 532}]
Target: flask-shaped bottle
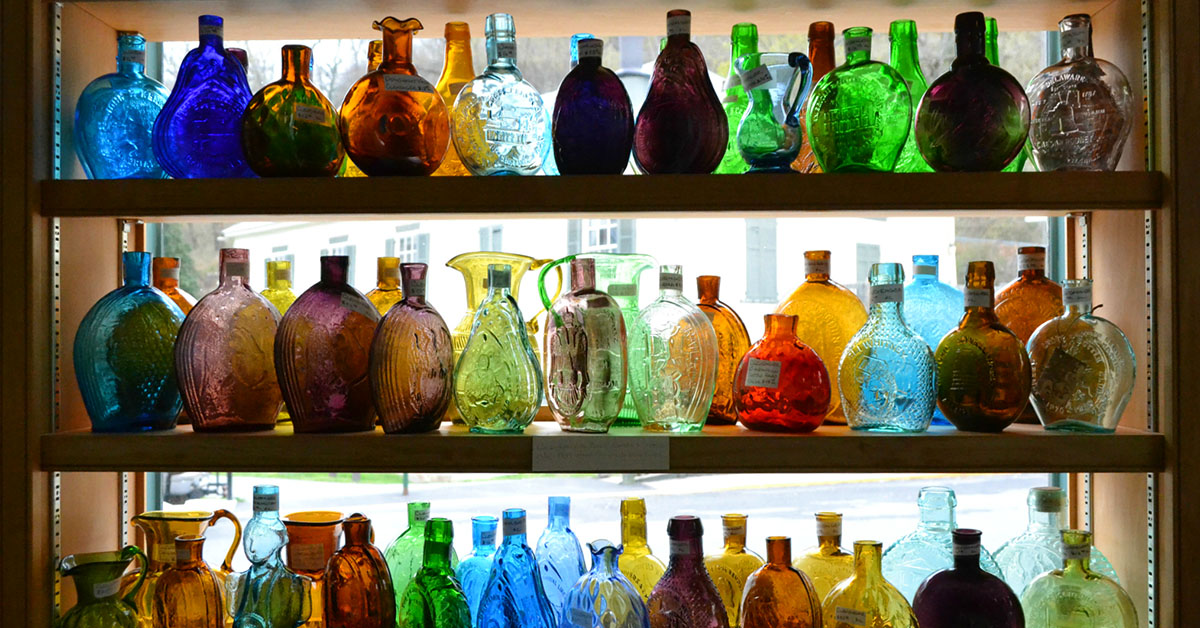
[
  {"x": 593, "y": 117},
  {"x": 638, "y": 562},
  {"x": 514, "y": 596},
  {"x": 965, "y": 594},
  {"x": 457, "y": 70},
  {"x": 685, "y": 596},
  {"x": 559, "y": 554},
  {"x": 778, "y": 595}
]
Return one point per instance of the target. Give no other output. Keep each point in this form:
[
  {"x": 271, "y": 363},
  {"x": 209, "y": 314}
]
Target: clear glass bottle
[
  {"x": 619, "y": 276},
  {"x": 730, "y": 569},
  {"x": 268, "y": 594},
  {"x": 1032, "y": 298},
  {"x": 164, "y": 275},
  {"x": 514, "y": 596},
  {"x": 685, "y": 595},
  {"x": 886, "y": 375},
  {"x": 114, "y": 117},
  {"x": 929, "y": 548},
  {"x": 743, "y": 39},
  {"x": 867, "y": 598},
  {"x": 778, "y": 595},
  {"x": 279, "y": 285},
  {"x": 733, "y": 341},
  {"x": 604, "y": 597},
  {"x": 387, "y": 291},
  {"x": 638, "y": 562},
  {"x": 434, "y": 598},
  {"x": 820, "y": 55},
  {"x": 1083, "y": 367},
  {"x": 1062, "y": 596},
  {"x": 559, "y": 554},
  {"x": 499, "y": 118},
  {"x": 457, "y": 70},
  {"x": 781, "y": 385},
  {"x": 673, "y": 360},
  {"x": 1081, "y": 108},
  {"x": 906, "y": 60},
  {"x": 827, "y": 564},
  {"x": 964, "y": 594},
  {"x": 405, "y": 555},
  {"x": 474, "y": 570}
]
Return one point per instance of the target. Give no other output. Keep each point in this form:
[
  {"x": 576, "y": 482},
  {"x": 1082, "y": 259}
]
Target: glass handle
[
  {"x": 130, "y": 552},
  {"x": 803, "y": 71},
  {"x": 547, "y": 302},
  {"x": 227, "y": 565}
]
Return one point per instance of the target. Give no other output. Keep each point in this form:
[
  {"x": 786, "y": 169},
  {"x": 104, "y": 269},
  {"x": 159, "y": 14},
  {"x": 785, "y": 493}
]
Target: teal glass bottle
[
  {"x": 474, "y": 570},
  {"x": 559, "y": 555},
  {"x": 514, "y": 596},
  {"x": 604, "y": 597},
  {"x": 907, "y": 61},
  {"x": 991, "y": 50},
  {"x": 932, "y": 308},
  {"x": 434, "y": 598},
  {"x": 742, "y": 40},
  {"x": 404, "y": 556},
  {"x": 268, "y": 595}
]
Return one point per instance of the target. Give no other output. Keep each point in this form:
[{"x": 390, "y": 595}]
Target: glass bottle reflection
[
  {"x": 474, "y": 570},
  {"x": 685, "y": 596},
  {"x": 781, "y": 385},
  {"x": 964, "y": 594},
  {"x": 457, "y": 70},
  {"x": 434, "y": 598},
  {"x": 730, "y": 569},
  {"x": 821, "y": 56},
  {"x": 827, "y": 564},
  {"x": 1062, "y": 596},
  {"x": 742, "y": 40},
  {"x": 638, "y": 562},
  {"x": 559, "y": 555},
  {"x": 866, "y": 598},
  {"x": 1032, "y": 298},
  {"x": 514, "y": 597},
  {"x": 165, "y": 277},
  {"x": 604, "y": 597},
  {"x": 358, "y": 589},
  {"x": 733, "y": 341},
  {"x": 268, "y": 595},
  {"x": 778, "y": 595},
  {"x": 906, "y": 60}
]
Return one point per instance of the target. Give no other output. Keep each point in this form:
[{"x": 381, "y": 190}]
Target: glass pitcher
[
  {"x": 313, "y": 537},
  {"x": 161, "y": 528},
  {"x": 474, "y": 267},
  {"x": 97, "y": 579},
  {"x": 769, "y": 134}
]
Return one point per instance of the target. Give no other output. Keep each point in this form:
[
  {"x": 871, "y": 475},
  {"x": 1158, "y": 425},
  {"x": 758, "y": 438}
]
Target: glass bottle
[
  {"x": 859, "y": 115},
  {"x": 585, "y": 353},
  {"x": 497, "y": 380},
  {"x": 1032, "y": 298},
  {"x": 514, "y": 596},
  {"x": 474, "y": 570},
  {"x": 778, "y": 83},
  {"x": 124, "y": 355},
  {"x": 499, "y": 118},
  {"x": 827, "y": 317},
  {"x": 931, "y": 308},
  {"x": 559, "y": 554},
  {"x": 161, "y": 529},
  {"x": 733, "y": 341},
  {"x": 681, "y": 127},
  {"x": 673, "y": 359},
  {"x": 743, "y": 39},
  {"x": 965, "y": 595},
  {"x": 374, "y": 58},
  {"x": 730, "y": 569},
  {"x": 321, "y": 354},
  {"x": 887, "y": 371},
  {"x": 1081, "y": 108},
  {"x": 313, "y": 537},
  {"x": 778, "y": 595},
  {"x": 114, "y": 117},
  {"x": 279, "y": 285},
  {"x": 619, "y": 276},
  {"x": 991, "y": 50},
  {"x": 386, "y": 292},
  {"x": 188, "y": 594},
  {"x": 290, "y": 127},
  {"x": 929, "y": 548},
  {"x": 474, "y": 269},
  {"x": 434, "y": 598},
  {"x": 242, "y": 57},
  {"x": 197, "y": 133},
  {"x": 1083, "y": 367},
  {"x": 1037, "y": 550},
  {"x": 686, "y": 596},
  {"x": 907, "y": 61},
  {"x": 983, "y": 372},
  {"x": 638, "y": 562},
  {"x": 781, "y": 385},
  {"x": 224, "y": 355},
  {"x": 358, "y": 589},
  {"x": 1063, "y": 596},
  {"x": 593, "y": 117},
  {"x": 821, "y": 56},
  {"x": 604, "y": 597},
  {"x": 165, "y": 276},
  {"x": 827, "y": 564},
  {"x": 97, "y": 577},
  {"x": 866, "y": 598},
  {"x": 457, "y": 70},
  {"x": 405, "y": 554},
  {"x": 268, "y": 595},
  {"x": 974, "y": 117},
  {"x": 550, "y": 164},
  {"x": 393, "y": 122}
]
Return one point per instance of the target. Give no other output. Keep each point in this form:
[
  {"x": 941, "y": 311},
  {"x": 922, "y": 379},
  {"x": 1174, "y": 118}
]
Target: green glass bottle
[
  {"x": 406, "y": 554},
  {"x": 991, "y": 50},
  {"x": 1075, "y": 595},
  {"x": 434, "y": 597},
  {"x": 743, "y": 40},
  {"x": 859, "y": 115},
  {"x": 906, "y": 61}
]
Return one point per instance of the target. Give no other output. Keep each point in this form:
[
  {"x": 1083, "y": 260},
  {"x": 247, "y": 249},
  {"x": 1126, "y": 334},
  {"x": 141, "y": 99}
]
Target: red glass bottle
[
  {"x": 358, "y": 587},
  {"x": 781, "y": 383}
]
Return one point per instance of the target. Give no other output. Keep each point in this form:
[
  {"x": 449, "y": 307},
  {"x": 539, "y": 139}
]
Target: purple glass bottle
[
  {"x": 412, "y": 360},
  {"x": 593, "y": 118},
  {"x": 976, "y": 116},
  {"x": 966, "y": 595},
  {"x": 681, "y": 126},
  {"x": 321, "y": 354},
  {"x": 224, "y": 356},
  {"x": 686, "y": 596}
]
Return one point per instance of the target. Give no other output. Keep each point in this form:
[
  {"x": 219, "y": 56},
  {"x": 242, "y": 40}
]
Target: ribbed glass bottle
[
  {"x": 777, "y": 595},
  {"x": 604, "y": 597},
  {"x": 733, "y": 341}
]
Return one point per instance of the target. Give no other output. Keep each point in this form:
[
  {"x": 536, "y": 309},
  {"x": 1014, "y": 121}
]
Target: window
[
  {"x": 866, "y": 255},
  {"x": 761, "y": 286},
  {"x": 490, "y": 238},
  {"x": 601, "y": 236},
  {"x": 409, "y": 248}
]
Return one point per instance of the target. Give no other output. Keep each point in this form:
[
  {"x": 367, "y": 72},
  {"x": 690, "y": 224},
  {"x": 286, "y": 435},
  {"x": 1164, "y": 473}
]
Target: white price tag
[
  {"x": 487, "y": 537},
  {"x": 886, "y": 293},
  {"x": 977, "y": 297},
  {"x": 679, "y": 25},
  {"x": 681, "y": 548},
  {"x": 850, "y": 616},
  {"x": 1031, "y": 261},
  {"x": 1077, "y": 552},
  {"x": 169, "y": 273},
  {"x": 816, "y": 267},
  {"x": 266, "y": 503},
  {"x": 455, "y": 88},
  {"x": 591, "y": 49},
  {"x": 163, "y": 552},
  {"x": 355, "y": 303},
  {"x": 566, "y": 452},
  {"x": 307, "y": 556},
  {"x": 106, "y": 589},
  {"x": 763, "y": 373},
  {"x": 514, "y": 527},
  {"x": 670, "y": 281},
  {"x": 858, "y": 44},
  {"x": 212, "y": 30},
  {"x": 829, "y": 528},
  {"x": 622, "y": 290},
  {"x": 506, "y": 50},
  {"x": 406, "y": 83},
  {"x": 132, "y": 56},
  {"x": 756, "y": 77},
  {"x": 581, "y": 618},
  {"x": 312, "y": 115},
  {"x": 924, "y": 269},
  {"x": 1078, "y": 296},
  {"x": 1074, "y": 38},
  {"x": 237, "y": 269},
  {"x": 734, "y": 529},
  {"x": 966, "y": 550},
  {"x": 283, "y": 274},
  {"x": 420, "y": 515},
  {"x": 416, "y": 288}
]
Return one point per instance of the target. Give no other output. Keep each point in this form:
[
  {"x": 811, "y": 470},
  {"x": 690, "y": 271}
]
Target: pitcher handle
[
  {"x": 803, "y": 66},
  {"x": 227, "y": 565},
  {"x": 546, "y": 265},
  {"x": 130, "y": 552}
]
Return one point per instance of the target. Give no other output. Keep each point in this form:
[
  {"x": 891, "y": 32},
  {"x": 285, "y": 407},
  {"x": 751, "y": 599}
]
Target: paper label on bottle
[
  {"x": 971, "y": 549},
  {"x": 214, "y": 30},
  {"x": 886, "y": 293},
  {"x": 679, "y": 25},
  {"x": 487, "y": 537},
  {"x": 816, "y": 267},
  {"x": 1076, "y": 552},
  {"x": 312, "y": 115},
  {"x": 622, "y": 290},
  {"x": 1078, "y": 296},
  {"x": 560, "y": 509},
  {"x": 568, "y": 453},
  {"x": 829, "y": 528},
  {"x": 106, "y": 589},
  {"x": 237, "y": 269},
  {"x": 858, "y": 44},
  {"x": 681, "y": 548},
  {"x": 169, "y": 273},
  {"x": 670, "y": 281},
  {"x": 850, "y": 616},
  {"x": 506, "y": 50},
  {"x": 580, "y": 618},
  {"x": 182, "y": 554},
  {"x": 419, "y": 515},
  {"x": 266, "y": 503},
  {"x": 132, "y": 56},
  {"x": 591, "y": 49},
  {"x": 163, "y": 552},
  {"x": 355, "y": 303},
  {"x": 513, "y": 527},
  {"x": 924, "y": 269},
  {"x": 457, "y": 87},
  {"x": 733, "y": 529},
  {"x": 307, "y": 556},
  {"x": 283, "y": 274},
  {"x": 1074, "y": 38},
  {"x": 763, "y": 373},
  {"x": 977, "y": 297},
  {"x": 1031, "y": 261},
  {"x": 756, "y": 77},
  {"x": 733, "y": 80},
  {"x": 406, "y": 83},
  {"x": 416, "y": 288}
]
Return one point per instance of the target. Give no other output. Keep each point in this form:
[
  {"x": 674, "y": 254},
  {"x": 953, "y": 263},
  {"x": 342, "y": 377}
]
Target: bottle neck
[
  {"x": 397, "y": 47},
  {"x": 437, "y": 555},
  {"x": 458, "y": 56},
  {"x": 820, "y": 54},
  {"x": 905, "y": 58},
  {"x": 1076, "y": 41},
  {"x": 583, "y": 277},
  {"x": 297, "y": 60},
  {"x": 687, "y": 552},
  {"x": 779, "y": 327},
  {"x": 606, "y": 562},
  {"x": 743, "y": 41},
  {"x": 358, "y": 532},
  {"x": 966, "y": 558},
  {"x": 1040, "y": 521},
  {"x": 333, "y": 272},
  {"x": 137, "y": 272},
  {"x": 633, "y": 531},
  {"x": 502, "y": 49},
  {"x": 131, "y": 56},
  {"x": 970, "y": 46},
  {"x": 867, "y": 561},
  {"x": 937, "y": 518},
  {"x": 779, "y": 551}
]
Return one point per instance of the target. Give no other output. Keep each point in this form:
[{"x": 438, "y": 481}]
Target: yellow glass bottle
[
  {"x": 165, "y": 277},
  {"x": 458, "y": 70},
  {"x": 279, "y": 285},
  {"x": 387, "y": 285},
  {"x": 374, "y": 57},
  {"x": 642, "y": 567},
  {"x": 827, "y": 564},
  {"x": 733, "y": 341},
  {"x": 827, "y": 317},
  {"x": 730, "y": 569},
  {"x": 866, "y": 598}
]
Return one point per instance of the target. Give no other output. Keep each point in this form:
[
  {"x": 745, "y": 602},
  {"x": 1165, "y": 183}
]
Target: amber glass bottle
[
  {"x": 358, "y": 588},
  {"x": 387, "y": 290},
  {"x": 1032, "y": 298},
  {"x": 778, "y": 595},
  {"x": 165, "y": 271},
  {"x": 826, "y": 564},
  {"x": 732, "y": 343},
  {"x": 188, "y": 595},
  {"x": 374, "y": 57},
  {"x": 730, "y": 569},
  {"x": 820, "y": 54},
  {"x": 457, "y": 70}
]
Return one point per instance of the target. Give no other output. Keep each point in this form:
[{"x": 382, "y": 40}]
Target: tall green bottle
[
  {"x": 434, "y": 598},
  {"x": 906, "y": 61},
  {"x": 991, "y": 50},
  {"x": 743, "y": 40}
]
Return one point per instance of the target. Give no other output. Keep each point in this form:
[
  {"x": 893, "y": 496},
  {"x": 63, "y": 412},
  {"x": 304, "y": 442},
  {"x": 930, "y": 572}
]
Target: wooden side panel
[{"x": 1114, "y": 29}]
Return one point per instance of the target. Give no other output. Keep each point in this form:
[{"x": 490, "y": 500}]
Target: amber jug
[
  {"x": 188, "y": 594},
  {"x": 733, "y": 341},
  {"x": 313, "y": 537},
  {"x": 358, "y": 586}
]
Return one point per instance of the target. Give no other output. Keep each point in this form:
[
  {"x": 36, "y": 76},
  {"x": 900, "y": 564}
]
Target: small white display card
[
  {"x": 406, "y": 83},
  {"x": 763, "y": 373}
]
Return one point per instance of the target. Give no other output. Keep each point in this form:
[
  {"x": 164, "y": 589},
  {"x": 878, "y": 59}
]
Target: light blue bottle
[
  {"x": 514, "y": 596},
  {"x": 474, "y": 570},
  {"x": 549, "y": 166},
  {"x": 886, "y": 374},
  {"x": 114, "y": 117},
  {"x": 604, "y": 597},
  {"x": 559, "y": 554},
  {"x": 931, "y": 308},
  {"x": 268, "y": 595}
]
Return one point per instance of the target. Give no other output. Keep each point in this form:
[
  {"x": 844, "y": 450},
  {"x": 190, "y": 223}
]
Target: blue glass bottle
[
  {"x": 474, "y": 570},
  {"x": 931, "y": 308},
  {"x": 125, "y": 355},
  {"x": 550, "y": 165},
  {"x": 406, "y": 554},
  {"x": 559, "y": 554},
  {"x": 198, "y": 133},
  {"x": 593, "y": 116},
  {"x": 514, "y": 596},
  {"x": 268, "y": 595},
  {"x": 604, "y": 597},
  {"x": 114, "y": 117},
  {"x": 886, "y": 372}
]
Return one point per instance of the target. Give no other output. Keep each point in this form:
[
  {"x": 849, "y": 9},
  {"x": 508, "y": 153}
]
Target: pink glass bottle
[
  {"x": 321, "y": 354},
  {"x": 412, "y": 360},
  {"x": 224, "y": 356},
  {"x": 686, "y": 596},
  {"x": 781, "y": 384}
]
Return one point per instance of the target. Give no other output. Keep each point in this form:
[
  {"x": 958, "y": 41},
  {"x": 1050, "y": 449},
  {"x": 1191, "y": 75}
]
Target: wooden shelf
[
  {"x": 665, "y": 195},
  {"x": 544, "y": 448}
]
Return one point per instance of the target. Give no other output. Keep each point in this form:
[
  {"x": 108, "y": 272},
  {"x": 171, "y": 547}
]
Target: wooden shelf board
[
  {"x": 646, "y": 196},
  {"x": 1021, "y": 448}
]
